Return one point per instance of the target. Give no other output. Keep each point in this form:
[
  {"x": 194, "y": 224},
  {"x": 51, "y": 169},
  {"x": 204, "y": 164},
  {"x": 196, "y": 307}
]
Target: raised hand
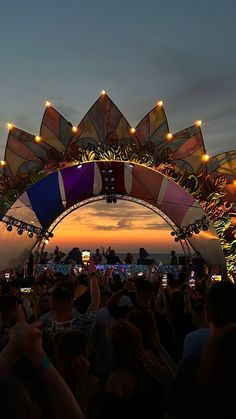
[
  {"x": 26, "y": 338},
  {"x": 91, "y": 267}
]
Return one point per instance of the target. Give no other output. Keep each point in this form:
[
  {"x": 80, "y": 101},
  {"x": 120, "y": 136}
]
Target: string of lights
[{"x": 189, "y": 230}]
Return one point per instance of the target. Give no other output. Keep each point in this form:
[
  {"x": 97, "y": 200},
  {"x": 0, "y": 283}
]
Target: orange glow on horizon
[{"x": 101, "y": 225}]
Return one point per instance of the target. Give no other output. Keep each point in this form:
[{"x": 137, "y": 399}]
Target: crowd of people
[
  {"x": 93, "y": 344},
  {"x": 108, "y": 257}
]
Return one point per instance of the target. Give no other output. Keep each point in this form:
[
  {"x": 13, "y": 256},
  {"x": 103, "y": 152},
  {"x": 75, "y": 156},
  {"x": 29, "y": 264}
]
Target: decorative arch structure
[
  {"x": 47, "y": 200},
  {"x": 43, "y": 176}
]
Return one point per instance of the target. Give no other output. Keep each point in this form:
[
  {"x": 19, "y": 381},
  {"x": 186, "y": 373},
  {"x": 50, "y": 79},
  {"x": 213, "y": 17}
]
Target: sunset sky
[
  {"x": 182, "y": 52},
  {"x": 125, "y": 226}
]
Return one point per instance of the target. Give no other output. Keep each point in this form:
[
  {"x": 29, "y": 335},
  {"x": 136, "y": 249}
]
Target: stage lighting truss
[
  {"x": 189, "y": 230},
  {"x": 109, "y": 183},
  {"x": 22, "y": 227}
]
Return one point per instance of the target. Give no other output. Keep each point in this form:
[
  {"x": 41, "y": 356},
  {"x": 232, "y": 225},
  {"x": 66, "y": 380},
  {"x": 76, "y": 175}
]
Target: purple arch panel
[
  {"x": 78, "y": 183},
  {"x": 176, "y": 202}
]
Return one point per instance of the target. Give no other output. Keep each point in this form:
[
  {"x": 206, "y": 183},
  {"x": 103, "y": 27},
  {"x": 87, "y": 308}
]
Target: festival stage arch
[
  {"x": 45, "y": 203},
  {"x": 105, "y": 134}
]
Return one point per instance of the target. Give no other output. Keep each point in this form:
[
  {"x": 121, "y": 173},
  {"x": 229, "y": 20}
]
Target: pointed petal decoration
[
  {"x": 103, "y": 124},
  {"x": 153, "y": 127},
  {"x": 55, "y": 130},
  {"x": 222, "y": 169},
  {"x": 186, "y": 148},
  {"x": 224, "y": 163},
  {"x": 23, "y": 154}
]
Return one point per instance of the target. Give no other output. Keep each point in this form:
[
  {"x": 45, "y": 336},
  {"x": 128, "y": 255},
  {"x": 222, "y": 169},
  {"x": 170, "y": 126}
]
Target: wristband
[{"x": 45, "y": 363}]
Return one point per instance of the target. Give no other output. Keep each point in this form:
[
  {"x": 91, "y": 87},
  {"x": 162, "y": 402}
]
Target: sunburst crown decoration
[{"x": 105, "y": 134}]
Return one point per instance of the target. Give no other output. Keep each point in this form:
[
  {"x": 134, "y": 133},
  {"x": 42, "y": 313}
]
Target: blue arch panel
[{"x": 46, "y": 200}]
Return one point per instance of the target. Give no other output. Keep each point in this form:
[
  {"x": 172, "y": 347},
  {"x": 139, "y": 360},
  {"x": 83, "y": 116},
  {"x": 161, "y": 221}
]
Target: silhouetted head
[
  {"x": 62, "y": 296},
  {"x": 220, "y": 304},
  {"x": 126, "y": 344}
]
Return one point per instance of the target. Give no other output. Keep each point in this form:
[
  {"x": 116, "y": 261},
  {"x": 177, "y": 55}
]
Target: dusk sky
[{"x": 182, "y": 52}]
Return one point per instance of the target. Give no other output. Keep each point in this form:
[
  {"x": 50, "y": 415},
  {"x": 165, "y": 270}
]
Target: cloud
[
  {"x": 156, "y": 226},
  {"x": 106, "y": 228},
  {"x": 76, "y": 218},
  {"x": 121, "y": 224},
  {"x": 100, "y": 216},
  {"x": 129, "y": 212},
  {"x": 132, "y": 210},
  {"x": 69, "y": 112},
  {"x": 24, "y": 122}
]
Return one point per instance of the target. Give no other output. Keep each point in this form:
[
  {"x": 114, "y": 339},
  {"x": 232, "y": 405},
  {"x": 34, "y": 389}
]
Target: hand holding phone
[
  {"x": 26, "y": 290},
  {"x": 216, "y": 277},
  {"x": 86, "y": 256},
  {"x": 164, "y": 280},
  {"x": 192, "y": 280}
]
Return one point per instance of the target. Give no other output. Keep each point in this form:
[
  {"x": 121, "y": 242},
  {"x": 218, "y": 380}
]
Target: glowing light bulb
[
  {"x": 74, "y": 129},
  {"x": 46, "y": 241},
  {"x": 103, "y": 92},
  {"x": 205, "y": 157},
  {"x": 169, "y": 136},
  {"x": 2, "y": 163},
  {"x": 234, "y": 182},
  {"x": 9, "y": 125},
  {"x": 198, "y": 123},
  {"x": 132, "y": 130},
  {"x": 160, "y": 103},
  {"x": 47, "y": 104},
  {"x": 38, "y": 139}
]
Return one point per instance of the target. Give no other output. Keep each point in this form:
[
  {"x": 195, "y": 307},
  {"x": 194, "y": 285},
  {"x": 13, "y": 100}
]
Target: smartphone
[
  {"x": 140, "y": 273},
  {"x": 192, "y": 281},
  {"x": 86, "y": 256},
  {"x": 26, "y": 290},
  {"x": 7, "y": 275},
  {"x": 164, "y": 281},
  {"x": 216, "y": 277}
]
